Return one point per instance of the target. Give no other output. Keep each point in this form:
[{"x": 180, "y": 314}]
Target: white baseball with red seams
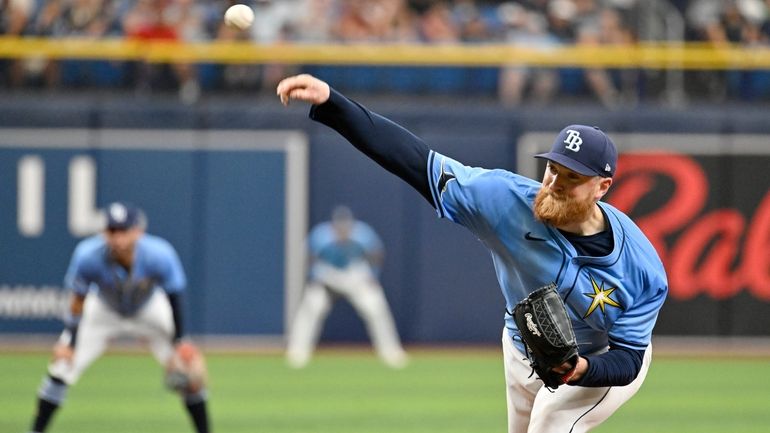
[{"x": 239, "y": 16}]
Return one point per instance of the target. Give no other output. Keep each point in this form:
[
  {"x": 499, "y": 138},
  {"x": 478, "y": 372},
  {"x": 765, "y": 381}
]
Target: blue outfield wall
[
  {"x": 438, "y": 278},
  {"x": 233, "y": 245}
]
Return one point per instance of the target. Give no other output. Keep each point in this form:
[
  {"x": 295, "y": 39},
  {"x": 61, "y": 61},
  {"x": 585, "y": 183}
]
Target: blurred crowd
[{"x": 527, "y": 22}]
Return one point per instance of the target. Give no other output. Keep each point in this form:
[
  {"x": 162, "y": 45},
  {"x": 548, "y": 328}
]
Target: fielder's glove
[
  {"x": 547, "y": 333},
  {"x": 186, "y": 370}
]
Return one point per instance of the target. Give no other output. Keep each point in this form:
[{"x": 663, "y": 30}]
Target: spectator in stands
[
  {"x": 165, "y": 20},
  {"x": 437, "y": 26},
  {"x": 596, "y": 26},
  {"x": 374, "y": 21},
  {"x": 473, "y": 25},
  {"x": 765, "y": 26},
  {"x": 315, "y": 21},
  {"x": 404, "y": 23},
  {"x": 14, "y": 17},
  {"x": 615, "y": 30},
  {"x": 187, "y": 18},
  {"x": 528, "y": 26},
  {"x": 531, "y": 23},
  {"x": 91, "y": 19},
  {"x": 234, "y": 76},
  {"x": 86, "y": 18},
  {"x": 722, "y": 23},
  {"x": 274, "y": 23},
  {"x": 560, "y": 15},
  {"x": 355, "y": 23},
  {"x": 146, "y": 21}
]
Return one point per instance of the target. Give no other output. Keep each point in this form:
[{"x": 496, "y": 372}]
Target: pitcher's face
[{"x": 566, "y": 196}]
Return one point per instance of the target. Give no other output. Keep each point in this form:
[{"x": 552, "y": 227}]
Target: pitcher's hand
[{"x": 303, "y": 87}]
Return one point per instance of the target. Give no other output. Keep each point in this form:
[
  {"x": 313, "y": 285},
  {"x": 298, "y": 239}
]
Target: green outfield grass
[{"x": 341, "y": 392}]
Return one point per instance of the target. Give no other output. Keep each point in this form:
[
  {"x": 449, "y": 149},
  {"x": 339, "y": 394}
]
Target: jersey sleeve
[
  {"x": 319, "y": 237},
  {"x": 171, "y": 273},
  {"x": 368, "y": 238},
  {"x": 76, "y": 279},
  {"x": 648, "y": 286},
  {"x": 387, "y": 143},
  {"x": 452, "y": 190},
  {"x": 473, "y": 197},
  {"x": 633, "y": 329}
]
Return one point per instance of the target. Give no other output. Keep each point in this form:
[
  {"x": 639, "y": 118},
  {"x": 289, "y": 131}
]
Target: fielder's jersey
[
  {"x": 156, "y": 266},
  {"x": 326, "y": 248},
  {"x": 611, "y": 299}
]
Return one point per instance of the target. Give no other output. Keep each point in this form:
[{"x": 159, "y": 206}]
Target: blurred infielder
[
  {"x": 604, "y": 269},
  {"x": 124, "y": 282},
  {"x": 345, "y": 255}
]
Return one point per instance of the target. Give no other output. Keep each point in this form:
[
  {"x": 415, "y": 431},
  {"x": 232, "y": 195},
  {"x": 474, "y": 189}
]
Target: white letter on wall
[
  {"x": 84, "y": 218},
  {"x": 31, "y": 193}
]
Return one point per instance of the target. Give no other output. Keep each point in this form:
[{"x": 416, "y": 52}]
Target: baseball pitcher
[
  {"x": 124, "y": 282},
  {"x": 582, "y": 284}
]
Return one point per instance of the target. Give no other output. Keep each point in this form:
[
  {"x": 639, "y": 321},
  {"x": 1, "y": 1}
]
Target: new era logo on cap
[{"x": 584, "y": 149}]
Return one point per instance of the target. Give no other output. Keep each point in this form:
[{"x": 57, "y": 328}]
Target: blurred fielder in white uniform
[
  {"x": 124, "y": 282},
  {"x": 345, "y": 256}
]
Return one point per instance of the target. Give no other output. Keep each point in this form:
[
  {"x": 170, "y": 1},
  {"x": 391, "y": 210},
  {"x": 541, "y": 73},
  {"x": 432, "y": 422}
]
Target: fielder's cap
[
  {"x": 122, "y": 216},
  {"x": 342, "y": 214},
  {"x": 584, "y": 149}
]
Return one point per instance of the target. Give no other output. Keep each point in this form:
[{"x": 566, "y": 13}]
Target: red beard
[{"x": 560, "y": 211}]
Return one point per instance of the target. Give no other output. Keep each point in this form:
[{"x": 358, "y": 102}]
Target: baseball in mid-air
[{"x": 239, "y": 16}]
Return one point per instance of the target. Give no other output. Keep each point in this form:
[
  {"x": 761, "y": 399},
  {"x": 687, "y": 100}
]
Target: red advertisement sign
[{"x": 707, "y": 216}]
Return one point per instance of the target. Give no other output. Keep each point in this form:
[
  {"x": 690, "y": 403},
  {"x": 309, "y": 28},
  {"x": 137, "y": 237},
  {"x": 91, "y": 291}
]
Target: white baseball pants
[
  {"x": 100, "y": 324},
  {"x": 532, "y": 408},
  {"x": 356, "y": 284}
]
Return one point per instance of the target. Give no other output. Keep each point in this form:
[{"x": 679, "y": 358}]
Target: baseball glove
[
  {"x": 186, "y": 370},
  {"x": 547, "y": 333}
]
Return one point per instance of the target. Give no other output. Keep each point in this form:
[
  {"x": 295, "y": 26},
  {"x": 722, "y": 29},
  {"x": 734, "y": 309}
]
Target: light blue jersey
[
  {"x": 156, "y": 266},
  {"x": 612, "y": 299},
  {"x": 362, "y": 243}
]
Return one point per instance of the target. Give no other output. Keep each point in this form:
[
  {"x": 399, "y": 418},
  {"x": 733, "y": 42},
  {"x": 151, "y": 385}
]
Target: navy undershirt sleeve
[
  {"x": 617, "y": 367},
  {"x": 175, "y": 299},
  {"x": 387, "y": 143}
]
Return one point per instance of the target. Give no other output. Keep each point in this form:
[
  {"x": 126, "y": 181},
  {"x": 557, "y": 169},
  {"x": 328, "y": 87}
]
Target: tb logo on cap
[{"x": 573, "y": 140}]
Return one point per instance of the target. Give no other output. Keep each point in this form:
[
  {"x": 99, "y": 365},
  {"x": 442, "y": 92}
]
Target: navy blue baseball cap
[
  {"x": 584, "y": 149},
  {"x": 123, "y": 216}
]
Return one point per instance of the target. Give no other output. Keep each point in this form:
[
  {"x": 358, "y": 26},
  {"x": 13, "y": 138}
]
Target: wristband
[{"x": 71, "y": 323}]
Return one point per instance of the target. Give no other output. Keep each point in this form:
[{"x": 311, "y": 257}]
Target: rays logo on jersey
[{"x": 600, "y": 298}]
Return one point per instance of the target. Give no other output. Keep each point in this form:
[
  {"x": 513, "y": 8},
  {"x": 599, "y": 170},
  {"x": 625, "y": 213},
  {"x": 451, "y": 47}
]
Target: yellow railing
[{"x": 646, "y": 56}]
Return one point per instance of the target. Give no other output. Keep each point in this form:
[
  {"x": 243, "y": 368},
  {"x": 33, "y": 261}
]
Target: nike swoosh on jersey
[{"x": 529, "y": 237}]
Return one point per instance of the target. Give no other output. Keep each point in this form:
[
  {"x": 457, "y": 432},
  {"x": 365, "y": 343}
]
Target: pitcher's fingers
[
  {"x": 290, "y": 82},
  {"x": 303, "y": 94}
]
